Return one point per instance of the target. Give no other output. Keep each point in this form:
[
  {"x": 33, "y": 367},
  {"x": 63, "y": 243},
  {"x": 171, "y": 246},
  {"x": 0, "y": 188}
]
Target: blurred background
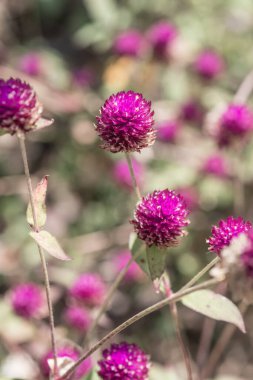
[{"x": 188, "y": 57}]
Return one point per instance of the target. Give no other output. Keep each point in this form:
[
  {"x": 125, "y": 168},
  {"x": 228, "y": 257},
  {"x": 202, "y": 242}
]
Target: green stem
[{"x": 135, "y": 184}]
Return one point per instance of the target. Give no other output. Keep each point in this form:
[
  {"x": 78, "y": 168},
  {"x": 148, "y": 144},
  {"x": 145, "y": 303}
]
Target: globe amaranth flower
[
  {"x": 130, "y": 43},
  {"x": 161, "y": 35},
  {"x": 216, "y": 165},
  {"x": 225, "y": 231},
  {"x": 134, "y": 273},
  {"x": 89, "y": 289},
  {"x": 235, "y": 121},
  {"x": 121, "y": 173},
  {"x": 192, "y": 112},
  {"x": 66, "y": 352},
  {"x": 159, "y": 218},
  {"x": 124, "y": 361},
  {"x": 19, "y": 106},
  {"x": 209, "y": 64},
  {"x": 167, "y": 131},
  {"x": 83, "y": 77},
  {"x": 26, "y": 300},
  {"x": 31, "y": 64},
  {"x": 126, "y": 123},
  {"x": 78, "y": 317}
]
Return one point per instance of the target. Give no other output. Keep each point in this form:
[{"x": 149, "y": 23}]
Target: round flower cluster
[
  {"x": 236, "y": 121},
  {"x": 124, "y": 361},
  {"x": 209, "y": 64},
  {"x": 126, "y": 123},
  {"x": 216, "y": 165},
  {"x": 78, "y": 318},
  {"x": 26, "y": 300},
  {"x": 129, "y": 42},
  {"x": 70, "y": 353},
  {"x": 121, "y": 173},
  {"x": 167, "y": 131},
  {"x": 161, "y": 35},
  {"x": 225, "y": 231},
  {"x": 89, "y": 289},
  {"x": 30, "y": 64},
  {"x": 159, "y": 218},
  {"x": 192, "y": 112},
  {"x": 19, "y": 106}
]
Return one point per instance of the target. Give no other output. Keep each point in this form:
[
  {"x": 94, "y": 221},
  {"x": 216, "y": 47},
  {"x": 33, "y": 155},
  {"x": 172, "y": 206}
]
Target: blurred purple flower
[
  {"x": 78, "y": 317},
  {"x": 122, "y": 176},
  {"x": 167, "y": 131},
  {"x": 192, "y": 112},
  {"x": 19, "y": 106},
  {"x": 124, "y": 361},
  {"x": 130, "y": 42},
  {"x": 225, "y": 231},
  {"x": 68, "y": 352},
  {"x": 89, "y": 289},
  {"x": 26, "y": 300},
  {"x": 30, "y": 64},
  {"x": 209, "y": 64},
  {"x": 134, "y": 273},
  {"x": 190, "y": 196},
  {"x": 161, "y": 35},
  {"x": 216, "y": 165},
  {"x": 160, "y": 217},
  {"x": 84, "y": 77},
  {"x": 126, "y": 123}
]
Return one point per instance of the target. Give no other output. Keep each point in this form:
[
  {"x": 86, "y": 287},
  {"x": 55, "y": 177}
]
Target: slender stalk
[
  {"x": 173, "y": 298},
  {"x": 21, "y": 139},
  {"x": 201, "y": 273},
  {"x": 245, "y": 89},
  {"x": 220, "y": 346},
  {"x": 135, "y": 184}
]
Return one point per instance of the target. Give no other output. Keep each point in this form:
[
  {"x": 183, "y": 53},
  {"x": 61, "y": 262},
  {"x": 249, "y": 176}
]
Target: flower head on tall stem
[
  {"x": 20, "y": 108},
  {"x": 26, "y": 300},
  {"x": 160, "y": 217},
  {"x": 124, "y": 361},
  {"x": 126, "y": 123},
  {"x": 226, "y": 230},
  {"x": 89, "y": 289}
]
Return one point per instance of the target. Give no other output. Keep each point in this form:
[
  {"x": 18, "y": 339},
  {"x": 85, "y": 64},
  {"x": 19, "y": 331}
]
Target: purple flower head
[
  {"x": 247, "y": 255},
  {"x": 159, "y": 218},
  {"x": 78, "y": 317},
  {"x": 192, "y": 112},
  {"x": 124, "y": 361},
  {"x": 237, "y": 120},
  {"x": 129, "y": 42},
  {"x": 26, "y": 300},
  {"x": 209, "y": 64},
  {"x": 89, "y": 289},
  {"x": 126, "y": 123},
  {"x": 161, "y": 35},
  {"x": 30, "y": 64},
  {"x": 19, "y": 106},
  {"x": 122, "y": 176},
  {"x": 134, "y": 273},
  {"x": 167, "y": 131},
  {"x": 216, "y": 165},
  {"x": 225, "y": 231},
  {"x": 84, "y": 77},
  {"x": 68, "y": 352}
]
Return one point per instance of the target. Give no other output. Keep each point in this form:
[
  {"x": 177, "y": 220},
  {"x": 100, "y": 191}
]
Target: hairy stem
[
  {"x": 21, "y": 139},
  {"x": 135, "y": 184},
  {"x": 173, "y": 298}
]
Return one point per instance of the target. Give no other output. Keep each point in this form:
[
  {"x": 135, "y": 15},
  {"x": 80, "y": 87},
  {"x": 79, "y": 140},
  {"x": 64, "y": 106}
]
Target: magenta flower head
[
  {"x": 124, "y": 361},
  {"x": 30, "y": 64},
  {"x": 78, "y": 317},
  {"x": 159, "y": 218},
  {"x": 19, "y": 106},
  {"x": 126, "y": 123},
  {"x": 89, "y": 289},
  {"x": 161, "y": 35},
  {"x": 129, "y": 42},
  {"x": 122, "y": 176},
  {"x": 167, "y": 131},
  {"x": 26, "y": 300},
  {"x": 225, "y": 231},
  {"x": 192, "y": 112},
  {"x": 209, "y": 64},
  {"x": 236, "y": 121},
  {"x": 134, "y": 273},
  {"x": 66, "y": 352},
  {"x": 84, "y": 77},
  {"x": 216, "y": 165}
]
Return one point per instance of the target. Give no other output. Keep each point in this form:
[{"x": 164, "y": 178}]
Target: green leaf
[
  {"x": 48, "y": 242},
  {"x": 138, "y": 250},
  {"x": 215, "y": 306},
  {"x": 92, "y": 375},
  {"x": 39, "y": 195}
]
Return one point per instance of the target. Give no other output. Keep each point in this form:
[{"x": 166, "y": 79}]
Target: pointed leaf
[
  {"x": 138, "y": 251},
  {"x": 48, "y": 242},
  {"x": 215, "y": 306},
  {"x": 156, "y": 259},
  {"x": 39, "y": 195}
]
